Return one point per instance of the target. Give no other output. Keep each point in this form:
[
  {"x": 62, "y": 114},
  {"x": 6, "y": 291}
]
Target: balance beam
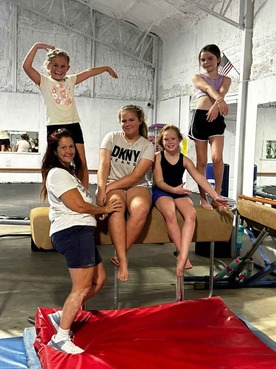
[{"x": 211, "y": 226}]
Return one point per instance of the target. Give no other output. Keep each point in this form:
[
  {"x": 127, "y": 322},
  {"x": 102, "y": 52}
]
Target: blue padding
[
  {"x": 12, "y": 353},
  {"x": 29, "y": 335},
  {"x": 262, "y": 336}
]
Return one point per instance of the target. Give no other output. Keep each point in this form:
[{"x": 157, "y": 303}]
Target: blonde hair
[
  {"x": 53, "y": 54},
  {"x": 143, "y": 129},
  {"x": 166, "y": 128}
]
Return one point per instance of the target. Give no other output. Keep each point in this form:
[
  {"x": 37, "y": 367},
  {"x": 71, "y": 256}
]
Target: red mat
[{"x": 195, "y": 334}]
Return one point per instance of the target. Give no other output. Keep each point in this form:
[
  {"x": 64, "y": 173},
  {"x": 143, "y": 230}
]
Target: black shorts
[
  {"x": 5, "y": 141},
  {"x": 74, "y": 128},
  {"x": 77, "y": 244},
  {"x": 202, "y": 130}
]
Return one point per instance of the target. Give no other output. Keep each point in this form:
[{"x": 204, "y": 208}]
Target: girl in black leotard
[{"x": 169, "y": 193}]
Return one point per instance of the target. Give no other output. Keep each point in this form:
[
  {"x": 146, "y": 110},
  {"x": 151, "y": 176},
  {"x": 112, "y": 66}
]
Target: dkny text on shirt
[{"x": 127, "y": 155}]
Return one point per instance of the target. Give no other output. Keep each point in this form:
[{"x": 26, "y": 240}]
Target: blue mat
[
  {"x": 29, "y": 335},
  {"x": 263, "y": 337},
  {"x": 12, "y": 353},
  {"x": 18, "y": 352}
]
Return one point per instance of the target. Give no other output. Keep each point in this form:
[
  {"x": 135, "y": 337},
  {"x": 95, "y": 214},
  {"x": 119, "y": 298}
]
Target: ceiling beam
[
  {"x": 220, "y": 16},
  {"x": 68, "y": 24}
]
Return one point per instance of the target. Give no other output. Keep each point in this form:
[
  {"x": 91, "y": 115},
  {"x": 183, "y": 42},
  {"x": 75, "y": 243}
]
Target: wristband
[{"x": 220, "y": 100}]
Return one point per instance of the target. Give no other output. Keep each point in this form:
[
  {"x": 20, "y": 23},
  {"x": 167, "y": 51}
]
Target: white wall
[
  {"x": 259, "y": 92},
  {"x": 265, "y": 131}
]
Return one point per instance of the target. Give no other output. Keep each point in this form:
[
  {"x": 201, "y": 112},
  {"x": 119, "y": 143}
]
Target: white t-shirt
[
  {"x": 58, "y": 182},
  {"x": 125, "y": 156},
  {"x": 23, "y": 146},
  {"x": 59, "y": 100}
]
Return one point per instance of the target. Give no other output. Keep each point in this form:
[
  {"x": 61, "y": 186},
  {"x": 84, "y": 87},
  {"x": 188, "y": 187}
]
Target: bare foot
[
  {"x": 122, "y": 268},
  {"x": 188, "y": 265},
  {"x": 205, "y": 204},
  {"x": 182, "y": 263},
  {"x": 179, "y": 272},
  {"x": 115, "y": 261},
  {"x": 122, "y": 271}
]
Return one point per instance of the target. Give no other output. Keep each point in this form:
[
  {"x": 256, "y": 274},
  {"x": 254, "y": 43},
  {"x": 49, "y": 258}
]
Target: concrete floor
[{"x": 31, "y": 279}]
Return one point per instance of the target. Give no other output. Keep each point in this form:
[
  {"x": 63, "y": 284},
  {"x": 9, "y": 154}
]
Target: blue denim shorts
[
  {"x": 156, "y": 193},
  {"x": 77, "y": 244}
]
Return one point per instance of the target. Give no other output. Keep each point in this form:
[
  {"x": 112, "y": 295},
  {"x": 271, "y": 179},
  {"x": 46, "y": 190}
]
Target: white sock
[{"x": 62, "y": 334}]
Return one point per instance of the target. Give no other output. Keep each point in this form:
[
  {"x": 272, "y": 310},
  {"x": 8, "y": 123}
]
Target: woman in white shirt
[
  {"x": 24, "y": 144},
  {"x": 73, "y": 224}
]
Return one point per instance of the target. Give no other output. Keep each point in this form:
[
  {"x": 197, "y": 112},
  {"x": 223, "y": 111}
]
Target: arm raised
[
  {"x": 29, "y": 58},
  {"x": 91, "y": 72}
]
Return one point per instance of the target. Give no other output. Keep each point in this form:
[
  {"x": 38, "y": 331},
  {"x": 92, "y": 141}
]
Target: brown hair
[
  {"x": 213, "y": 49},
  {"x": 166, "y": 128},
  {"x": 51, "y": 160},
  {"x": 53, "y": 54},
  {"x": 143, "y": 129}
]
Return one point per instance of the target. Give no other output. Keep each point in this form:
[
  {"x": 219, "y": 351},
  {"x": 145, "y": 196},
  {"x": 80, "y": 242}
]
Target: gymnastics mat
[
  {"x": 192, "y": 334},
  {"x": 12, "y": 353}
]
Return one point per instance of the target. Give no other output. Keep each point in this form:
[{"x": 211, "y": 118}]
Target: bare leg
[
  {"x": 125, "y": 232},
  {"x": 217, "y": 143},
  {"x": 201, "y": 157},
  {"x": 166, "y": 206},
  {"x": 138, "y": 206},
  {"x": 84, "y": 175},
  {"x": 81, "y": 285},
  {"x": 98, "y": 280},
  {"x": 187, "y": 210},
  {"x": 117, "y": 229}
]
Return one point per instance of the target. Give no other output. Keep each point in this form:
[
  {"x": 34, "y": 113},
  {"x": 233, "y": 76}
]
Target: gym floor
[{"x": 31, "y": 279}]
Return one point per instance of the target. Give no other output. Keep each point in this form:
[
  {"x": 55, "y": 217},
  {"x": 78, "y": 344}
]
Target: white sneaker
[{"x": 65, "y": 346}]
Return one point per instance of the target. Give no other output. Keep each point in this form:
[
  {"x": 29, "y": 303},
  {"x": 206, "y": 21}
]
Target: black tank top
[{"x": 172, "y": 174}]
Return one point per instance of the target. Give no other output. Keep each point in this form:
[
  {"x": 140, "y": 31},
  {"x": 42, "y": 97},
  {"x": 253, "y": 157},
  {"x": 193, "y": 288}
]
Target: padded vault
[{"x": 196, "y": 334}]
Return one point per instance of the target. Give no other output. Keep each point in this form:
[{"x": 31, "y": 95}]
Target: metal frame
[
  {"x": 205, "y": 281},
  {"x": 234, "y": 281}
]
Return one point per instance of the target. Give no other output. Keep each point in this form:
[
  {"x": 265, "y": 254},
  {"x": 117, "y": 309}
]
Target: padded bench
[{"x": 210, "y": 226}]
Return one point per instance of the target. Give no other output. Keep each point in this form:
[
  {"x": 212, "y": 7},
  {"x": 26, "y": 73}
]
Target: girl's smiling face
[
  {"x": 58, "y": 67},
  {"x": 170, "y": 141},
  {"x": 130, "y": 123},
  {"x": 209, "y": 61},
  {"x": 66, "y": 151}
]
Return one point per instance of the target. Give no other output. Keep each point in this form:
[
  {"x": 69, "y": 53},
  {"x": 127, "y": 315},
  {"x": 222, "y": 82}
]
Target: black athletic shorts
[
  {"x": 74, "y": 128},
  {"x": 5, "y": 141},
  {"x": 202, "y": 130}
]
